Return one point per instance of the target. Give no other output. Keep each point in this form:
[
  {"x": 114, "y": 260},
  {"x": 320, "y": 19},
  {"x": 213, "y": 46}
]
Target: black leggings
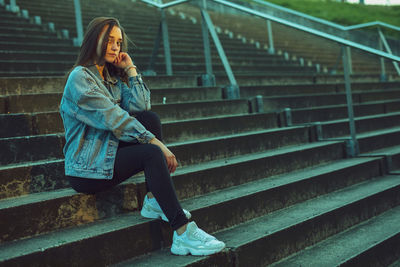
[{"x": 133, "y": 158}]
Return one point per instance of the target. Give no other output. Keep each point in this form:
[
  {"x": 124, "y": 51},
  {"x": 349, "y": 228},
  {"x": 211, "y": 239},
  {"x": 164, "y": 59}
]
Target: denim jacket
[{"x": 96, "y": 115}]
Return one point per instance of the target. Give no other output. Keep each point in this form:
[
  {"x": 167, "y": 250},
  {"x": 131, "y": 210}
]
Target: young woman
[{"x": 111, "y": 134}]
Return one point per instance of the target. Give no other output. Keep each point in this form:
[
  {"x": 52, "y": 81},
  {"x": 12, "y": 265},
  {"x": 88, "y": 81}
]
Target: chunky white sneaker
[
  {"x": 151, "y": 209},
  {"x": 196, "y": 242}
]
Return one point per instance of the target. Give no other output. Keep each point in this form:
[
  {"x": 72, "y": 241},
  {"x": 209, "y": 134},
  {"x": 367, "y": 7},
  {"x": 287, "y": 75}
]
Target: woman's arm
[
  {"x": 90, "y": 105},
  {"x": 136, "y": 97},
  {"x": 169, "y": 156}
]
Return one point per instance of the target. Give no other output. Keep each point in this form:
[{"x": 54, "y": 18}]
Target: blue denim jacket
[{"x": 96, "y": 115}]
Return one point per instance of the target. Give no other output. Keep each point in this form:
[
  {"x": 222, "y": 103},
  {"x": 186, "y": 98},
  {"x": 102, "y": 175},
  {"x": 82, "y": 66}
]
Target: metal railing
[
  {"x": 352, "y": 143},
  {"x": 232, "y": 90},
  {"x": 339, "y": 30}
]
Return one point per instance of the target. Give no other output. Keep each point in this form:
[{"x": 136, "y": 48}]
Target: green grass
[{"x": 344, "y": 13}]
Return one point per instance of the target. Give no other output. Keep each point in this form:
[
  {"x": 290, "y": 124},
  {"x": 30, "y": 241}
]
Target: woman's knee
[{"x": 149, "y": 117}]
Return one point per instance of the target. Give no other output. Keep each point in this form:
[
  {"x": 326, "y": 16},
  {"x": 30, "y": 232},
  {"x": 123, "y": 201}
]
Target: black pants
[{"x": 133, "y": 158}]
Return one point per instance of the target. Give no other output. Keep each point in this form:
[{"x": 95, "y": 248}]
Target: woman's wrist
[{"x": 130, "y": 70}]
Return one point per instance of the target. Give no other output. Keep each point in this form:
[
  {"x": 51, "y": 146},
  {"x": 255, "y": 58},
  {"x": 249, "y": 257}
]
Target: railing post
[
  {"x": 13, "y": 6},
  {"x": 271, "y": 49},
  {"x": 208, "y": 79},
  {"x": 388, "y": 49},
  {"x": 167, "y": 49},
  {"x": 150, "y": 71},
  {"x": 232, "y": 91},
  {"x": 383, "y": 69},
  {"x": 353, "y": 149},
  {"x": 78, "y": 19}
]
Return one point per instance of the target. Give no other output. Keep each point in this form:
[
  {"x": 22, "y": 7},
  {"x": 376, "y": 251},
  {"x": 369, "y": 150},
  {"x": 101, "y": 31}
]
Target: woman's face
[{"x": 113, "y": 45}]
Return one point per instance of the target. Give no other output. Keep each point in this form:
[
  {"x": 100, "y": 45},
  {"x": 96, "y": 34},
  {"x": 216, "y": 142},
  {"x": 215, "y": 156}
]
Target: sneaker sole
[
  {"x": 152, "y": 215},
  {"x": 194, "y": 252}
]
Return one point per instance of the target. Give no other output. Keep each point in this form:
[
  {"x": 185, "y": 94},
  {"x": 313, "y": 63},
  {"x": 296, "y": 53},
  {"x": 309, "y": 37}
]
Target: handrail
[
  {"x": 167, "y": 5},
  {"x": 233, "y": 89},
  {"x": 370, "y": 24},
  {"x": 309, "y": 30},
  {"x": 326, "y": 22}
]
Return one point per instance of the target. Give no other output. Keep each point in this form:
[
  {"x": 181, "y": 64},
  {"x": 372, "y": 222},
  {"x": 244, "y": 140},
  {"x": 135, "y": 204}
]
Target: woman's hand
[
  {"x": 169, "y": 156},
  {"x": 123, "y": 60}
]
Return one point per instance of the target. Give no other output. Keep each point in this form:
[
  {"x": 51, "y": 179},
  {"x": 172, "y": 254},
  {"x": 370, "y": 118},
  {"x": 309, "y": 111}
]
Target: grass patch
[{"x": 345, "y": 13}]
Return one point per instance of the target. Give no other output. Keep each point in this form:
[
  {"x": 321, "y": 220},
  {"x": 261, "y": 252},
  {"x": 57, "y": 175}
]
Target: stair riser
[
  {"x": 25, "y": 85},
  {"x": 362, "y": 126},
  {"x": 200, "y": 109},
  {"x": 64, "y": 212},
  {"x": 28, "y": 124},
  {"x": 378, "y": 142},
  {"x": 223, "y": 148},
  {"x": 396, "y": 161},
  {"x": 190, "y": 130},
  {"x": 32, "y": 179},
  {"x": 31, "y": 149},
  {"x": 255, "y": 202},
  {"x": 70, "y": 210},
  {"x": 276, "y": 246},
  {"x": 273, "y": 104},
  {"x": 206, "y": 181},
  {"x": 383, "y": 254},
  {"x": 50, "y": 102}
]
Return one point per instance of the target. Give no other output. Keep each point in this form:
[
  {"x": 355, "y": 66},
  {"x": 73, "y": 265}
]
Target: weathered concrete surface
[
  {"x": 229, "y": 146},
  {"x": 200, "y": 109},
  {"x": 363, "y": 124},
  {"x": 26, "y": 179},
  {"x": 217, "y": 126},
  {"x": 379, "y": 139},
  {"x": 367, "y": 244},
  {"x": 51, "y": 211},
  {"x": 275, "y": 236},
  {"x": 41, "y": 147}
]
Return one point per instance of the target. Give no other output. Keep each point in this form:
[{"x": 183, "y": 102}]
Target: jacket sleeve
[
  {"x": 95, "y": 109},
  {"x": 136, "y": 97}
]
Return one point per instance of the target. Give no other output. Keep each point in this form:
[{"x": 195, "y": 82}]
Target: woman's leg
[{"x": 151, "y": 159}]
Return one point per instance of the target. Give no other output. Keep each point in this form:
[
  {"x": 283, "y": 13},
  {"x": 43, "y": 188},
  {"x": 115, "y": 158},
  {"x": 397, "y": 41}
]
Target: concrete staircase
[{"x": 276, "y": 186}]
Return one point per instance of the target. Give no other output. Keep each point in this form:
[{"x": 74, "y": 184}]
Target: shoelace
[{"x": 201, "y": 235}]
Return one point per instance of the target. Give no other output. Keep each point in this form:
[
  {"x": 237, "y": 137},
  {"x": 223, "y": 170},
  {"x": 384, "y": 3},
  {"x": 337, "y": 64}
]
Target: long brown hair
[{"x": 87, "y": 54}]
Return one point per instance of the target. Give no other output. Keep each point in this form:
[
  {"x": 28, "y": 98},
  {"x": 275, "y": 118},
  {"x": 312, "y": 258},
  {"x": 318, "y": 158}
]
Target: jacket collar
[{"x": 107, "y": 77}]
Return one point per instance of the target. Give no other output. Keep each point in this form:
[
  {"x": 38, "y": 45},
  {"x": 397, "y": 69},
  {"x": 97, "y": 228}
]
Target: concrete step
[
  {"x": 50, "y": 101},
  {"x": 364, "y": 124},
  {"x": 366, "y": 244},
  {"x": 189, "y": 182},
  {"x": 33, "y": 177},
  {"x": 70, "y": 54},
  {"x": 42, "y": 147},
  {"x": 328, "y": 99},
  {"x": 42, "y": 37},
  {"x": 375, "y": 140},
  {"x": 192, "y": 129},
  {"x": 326, "y": 113},
  {"x": 391, "y": 155},
  {"x": 271, "y": 90},
  {"x": 26, "y": 178},
  {"x": 286, "y": 226},
  {"x": 31, "y": 148},
  {"x": 287, "y": 231},
  {"x": 253, "y": 192},
  {"x": 15, "y": 125},
  {"x": 40, "y": 85}
]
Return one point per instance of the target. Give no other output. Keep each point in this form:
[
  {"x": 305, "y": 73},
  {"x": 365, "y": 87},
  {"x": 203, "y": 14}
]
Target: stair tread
[
  {"x": 341, "y": 247},
  {"x": 276, "y": 221},
  {"x": 49, "y": 240},
  {"x": 247, "y": 232}
]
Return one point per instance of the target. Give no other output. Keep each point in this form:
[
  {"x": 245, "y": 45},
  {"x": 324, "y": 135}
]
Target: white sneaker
[
  {"x": 151, "y": 209},
  {"x": 196, "y": 242}
]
